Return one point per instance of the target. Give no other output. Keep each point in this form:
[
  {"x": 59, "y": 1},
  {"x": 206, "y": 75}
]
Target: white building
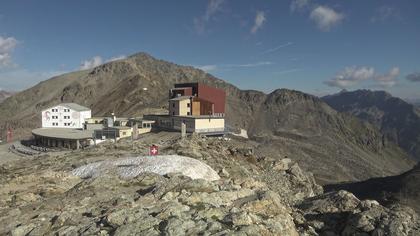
[{"x": 65, "y": 115}]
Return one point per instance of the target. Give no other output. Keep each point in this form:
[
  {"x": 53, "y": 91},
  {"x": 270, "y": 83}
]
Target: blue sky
[{"x": 318, "y": 47}]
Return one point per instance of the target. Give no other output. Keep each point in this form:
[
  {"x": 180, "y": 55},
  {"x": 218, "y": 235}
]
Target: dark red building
[{"x": 208, "y": 95}]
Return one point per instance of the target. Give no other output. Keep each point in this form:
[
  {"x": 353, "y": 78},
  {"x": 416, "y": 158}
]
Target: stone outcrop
[{"x": 40, "y": 196}]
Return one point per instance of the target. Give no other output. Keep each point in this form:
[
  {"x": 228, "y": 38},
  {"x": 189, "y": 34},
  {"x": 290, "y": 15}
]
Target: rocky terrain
[
  {"x": 397, "y": 119},
  {"x": 255, "y": 195},
  {"x": 401, "y": 189},
  {"x": 4, "y": 94},
  {"x": 301, "y": 126},
  {"x": 284, "y": 122}
]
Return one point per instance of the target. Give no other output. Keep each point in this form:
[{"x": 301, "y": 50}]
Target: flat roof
[
  {"x": 63, "y": 133},
  {"x": 189, "y": 117},
  {"x": 148, "y": 121},
  {"x": 119, "y": 127},
  {"x": 181, "y": 98}
]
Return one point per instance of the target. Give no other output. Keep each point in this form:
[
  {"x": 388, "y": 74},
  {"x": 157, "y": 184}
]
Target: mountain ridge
[
  {"x": 305, "y": 127},
  {"x": 5, "y": 94},
  {"x": 397, "y": 119}
]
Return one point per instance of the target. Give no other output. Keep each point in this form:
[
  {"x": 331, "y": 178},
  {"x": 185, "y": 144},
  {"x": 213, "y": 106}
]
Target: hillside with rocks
[
  {"x": 397, "y": 119},
  {"x": 5, "y": 94},
  {"x": 305, "y": 128},
  {"x": 402, "y": 189},
  {"x": 288, "y": 123},
  {"x": 255, "y": 195}
]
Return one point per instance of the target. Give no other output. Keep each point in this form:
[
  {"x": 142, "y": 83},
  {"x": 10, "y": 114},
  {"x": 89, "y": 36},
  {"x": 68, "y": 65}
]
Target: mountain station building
[
  {"x": 65, "y": 115},
  {"x": 200, "y": 107}
]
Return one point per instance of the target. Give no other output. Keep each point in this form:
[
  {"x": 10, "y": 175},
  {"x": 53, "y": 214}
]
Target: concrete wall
[
  {"x": 62, "y": 143},
  {"x": 180, "y": 107},
  {"x": 199, "y": 125},
  {"x": 90, "y": 126},
  {"x": 209, "y": 125},
  {"x": 63, "y": 117},
  {"x": 124, "y": 133},
  {"x": 95, "y": 120}
]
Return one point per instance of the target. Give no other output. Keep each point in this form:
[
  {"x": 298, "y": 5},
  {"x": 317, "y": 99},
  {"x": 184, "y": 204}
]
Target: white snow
[{"x": 134, "y": 166}]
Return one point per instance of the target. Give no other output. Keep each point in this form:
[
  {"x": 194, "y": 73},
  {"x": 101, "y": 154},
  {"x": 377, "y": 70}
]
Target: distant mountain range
[
  {"x": 5, "y": 94},
  {"x": 415, "y": 102},
  {"x": 335, "y": 146},
  {"x": 397, "y": 119}
]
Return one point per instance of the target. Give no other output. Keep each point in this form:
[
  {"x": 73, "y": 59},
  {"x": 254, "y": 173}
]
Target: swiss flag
[{"x": 154, "y": 150}]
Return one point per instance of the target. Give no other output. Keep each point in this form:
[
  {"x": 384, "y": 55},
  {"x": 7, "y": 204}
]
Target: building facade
[
  {"x": 199, "y": 107},
  {"x": 180, "y": 106},
  {"x": 204, "y": 100},
  {"x": 65, "y": 115},
  {"x": 209, "y": 125}
]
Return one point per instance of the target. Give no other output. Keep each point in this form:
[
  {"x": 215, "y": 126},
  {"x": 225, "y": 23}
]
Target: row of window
[
  {"x": 56, "y": 124},
  {"x": 188, "y": 105},
  {"x": 65, "y": 117},
  {"x": 56, "y": 110},
  {"x": 147, "y": 125}
]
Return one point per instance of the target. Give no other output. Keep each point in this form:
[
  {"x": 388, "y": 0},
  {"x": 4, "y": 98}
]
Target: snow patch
[{"x": 134, "y": 166}]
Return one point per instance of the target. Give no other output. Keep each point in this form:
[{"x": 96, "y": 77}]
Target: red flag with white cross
[{"x": 154, "y": 150}]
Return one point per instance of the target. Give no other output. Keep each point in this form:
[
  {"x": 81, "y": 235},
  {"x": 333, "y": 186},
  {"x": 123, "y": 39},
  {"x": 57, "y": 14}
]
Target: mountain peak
[
  {"x": 142, "y": 55},
  {"x": 397, "y": 119}
]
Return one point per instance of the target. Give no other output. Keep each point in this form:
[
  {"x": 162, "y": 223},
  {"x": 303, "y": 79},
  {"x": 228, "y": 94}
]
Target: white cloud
[
  {"x": 351, "y": 76},
  {"x": 325, "y": 17},
  {"x": 388, "y": 79},
  {"x": 91, "y": 63},
  {"x": 213, "y": 7},
  {"x": 414, "y": 77},
  {"x": 7, "y": 45},
  {"x": 97, "y": 61},
  {"x": 259, "y": 21},
  {"x": 277, "y": 47},
  {"x": 260, "y": 63},
  {"x": 385, "y": 13},
  {"x": 208, "y": 68},
  {"x": 299, "y": 5},
  {"x": 117, "y": 58}
]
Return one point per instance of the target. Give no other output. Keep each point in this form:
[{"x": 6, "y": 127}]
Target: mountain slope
[
  {"x": 113, "y": 87},
  {"x": 287, "y": 123},
  {"x": 4, "y": 94},
  {"x": 321, "y": 139},
  {"x": 403, "y": 189},
  {"x": 397, "y": 119}
]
